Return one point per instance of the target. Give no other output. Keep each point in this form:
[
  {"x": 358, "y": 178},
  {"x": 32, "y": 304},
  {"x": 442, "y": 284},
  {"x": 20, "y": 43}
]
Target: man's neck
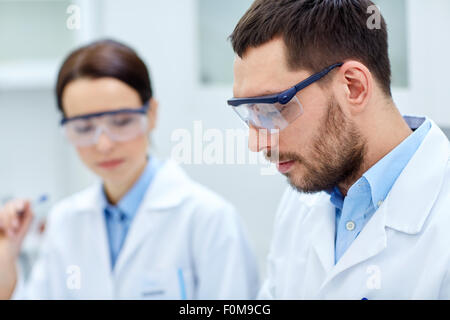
[{"x": 383, "y": 134}]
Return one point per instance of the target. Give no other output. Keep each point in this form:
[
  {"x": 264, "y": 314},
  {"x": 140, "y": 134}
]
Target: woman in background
[{"x": 145, "y": 230}]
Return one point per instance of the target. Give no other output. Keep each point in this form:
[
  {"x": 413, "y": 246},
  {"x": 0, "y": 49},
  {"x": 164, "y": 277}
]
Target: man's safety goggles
[
  {"x": 275, "y": 111},
  {"x": 119, "y": 125}
]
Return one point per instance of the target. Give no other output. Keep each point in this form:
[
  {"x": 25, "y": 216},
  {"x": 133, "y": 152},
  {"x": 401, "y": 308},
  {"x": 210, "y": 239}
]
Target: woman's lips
[
  {"x": 110, "y": 164},
  {"x": 284, "y": 167}
]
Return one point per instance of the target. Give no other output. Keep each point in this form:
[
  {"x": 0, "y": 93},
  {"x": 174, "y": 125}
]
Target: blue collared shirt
[
  {"x": 119, "y": 217},
  {"x": 368, "y": 193}
]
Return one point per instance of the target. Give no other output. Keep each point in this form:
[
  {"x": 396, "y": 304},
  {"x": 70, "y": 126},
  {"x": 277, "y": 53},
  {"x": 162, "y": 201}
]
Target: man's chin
[
  {"x": 299, "y": 182},
  {"x": 295, "y": 180},
  {"x": 303, "y": 189}
]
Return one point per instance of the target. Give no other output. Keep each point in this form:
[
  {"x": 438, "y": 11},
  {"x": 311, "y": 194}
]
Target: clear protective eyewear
[
  {"x": 119, "y": 125},
  {"x": 275, "y": 111}
]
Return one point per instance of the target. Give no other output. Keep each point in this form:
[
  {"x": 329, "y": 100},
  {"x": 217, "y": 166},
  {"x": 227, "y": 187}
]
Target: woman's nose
[{"x": 104, "y": 142}]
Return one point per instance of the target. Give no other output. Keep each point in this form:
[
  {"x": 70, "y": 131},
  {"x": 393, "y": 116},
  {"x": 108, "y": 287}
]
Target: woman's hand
[{"x": 15, "y": 220}]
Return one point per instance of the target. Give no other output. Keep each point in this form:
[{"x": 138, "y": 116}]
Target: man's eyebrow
[{"x": 266, "y": 93}]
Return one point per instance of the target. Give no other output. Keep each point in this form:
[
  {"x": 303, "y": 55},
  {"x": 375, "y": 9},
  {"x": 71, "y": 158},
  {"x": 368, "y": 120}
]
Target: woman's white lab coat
[
  {"x": 184, "y": 242},
  {"x": 403, "y": 252}
]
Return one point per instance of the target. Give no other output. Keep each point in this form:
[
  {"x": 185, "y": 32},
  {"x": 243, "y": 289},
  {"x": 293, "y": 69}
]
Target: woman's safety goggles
[
  {"x": 119, "y": 125},
  {"x": 275, "y": 111}
]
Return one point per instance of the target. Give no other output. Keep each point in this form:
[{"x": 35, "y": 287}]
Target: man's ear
[
  {"x": 152, "y": 114},
  {"x": 357, "y": 82}
]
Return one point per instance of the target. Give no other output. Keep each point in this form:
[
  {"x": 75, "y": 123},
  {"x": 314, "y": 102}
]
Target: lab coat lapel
[
  {"x": 141, "y": 229},
  {"x": 324, "y": 232},
  {"x": 396, "y": 213},
  {"x": 168, "y": 190},
  {"x": 99, "y": 248},
  {"x": 370, "y": 242},
  {"x": 420, "y": 182}
]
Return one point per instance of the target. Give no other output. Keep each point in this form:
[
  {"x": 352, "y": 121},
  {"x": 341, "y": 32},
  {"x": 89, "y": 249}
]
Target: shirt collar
[
  {"x": 336, "y": 197},
  {"x": 130, "y": 203},
  {"x": 384, "y": 173},
  {"x": 382, "y": 176}
]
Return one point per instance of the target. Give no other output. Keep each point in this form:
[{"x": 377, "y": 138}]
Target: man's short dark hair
[{"x": 317, "y": 34}]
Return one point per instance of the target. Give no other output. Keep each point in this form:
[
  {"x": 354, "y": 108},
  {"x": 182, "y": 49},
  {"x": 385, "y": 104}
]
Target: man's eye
[
  {"x": 282, "y": 108},
  {"x": 253, "y": 107}
]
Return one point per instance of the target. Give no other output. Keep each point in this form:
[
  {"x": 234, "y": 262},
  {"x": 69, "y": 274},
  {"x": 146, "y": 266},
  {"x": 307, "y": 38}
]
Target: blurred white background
[{"x": 184, "y": 43}]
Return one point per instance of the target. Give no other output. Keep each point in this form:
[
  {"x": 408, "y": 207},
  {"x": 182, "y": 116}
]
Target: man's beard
[{"x": 337, "y": 154}]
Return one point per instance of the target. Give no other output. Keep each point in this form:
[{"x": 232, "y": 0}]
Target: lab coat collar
[
  {"x": 382, "y": 175},
  {"x": 416, "y": 189},
  {"x": 405, "y": 209},
  {"x": 130, "y": 202},
  {"x": 323, "y": 235},
  {"x": 169, "y": 188}
]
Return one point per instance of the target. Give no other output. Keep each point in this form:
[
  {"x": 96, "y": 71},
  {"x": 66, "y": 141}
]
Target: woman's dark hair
[{"x": 105, "y": 58}]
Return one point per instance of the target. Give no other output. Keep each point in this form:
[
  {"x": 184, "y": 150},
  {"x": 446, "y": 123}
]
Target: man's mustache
[{"x": 276, "y": 157}]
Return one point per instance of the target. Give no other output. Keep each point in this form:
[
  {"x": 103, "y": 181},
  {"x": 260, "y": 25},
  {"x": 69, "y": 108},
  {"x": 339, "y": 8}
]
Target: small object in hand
[{"x": 43, "y": 198}]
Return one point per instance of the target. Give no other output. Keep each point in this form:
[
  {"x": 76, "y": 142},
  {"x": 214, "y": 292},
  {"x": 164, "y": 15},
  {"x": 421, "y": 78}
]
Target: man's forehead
[
  {"x": 274, "y": 49},
  {"x": 255, "y": 74},
  {"x": 269, "y": 54},
  {"x": 263, "y": 71}
]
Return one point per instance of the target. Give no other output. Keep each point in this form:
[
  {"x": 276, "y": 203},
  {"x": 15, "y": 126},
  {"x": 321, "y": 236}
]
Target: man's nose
[{"x": 261, "y": 139}]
